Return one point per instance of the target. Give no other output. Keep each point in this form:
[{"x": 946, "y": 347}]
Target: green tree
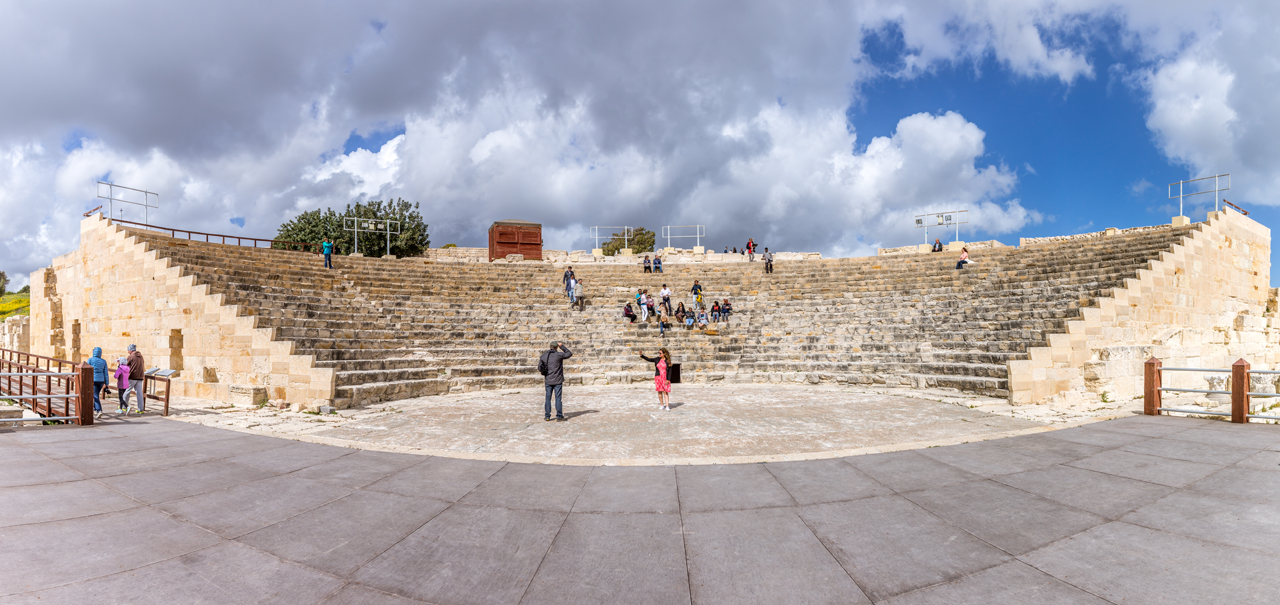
[
  {"x": 25, "y": 289},
  {"x": 316, "y": 225},
  {"x": 4, "y": 282},
  {"x": 640, "y": 241}
]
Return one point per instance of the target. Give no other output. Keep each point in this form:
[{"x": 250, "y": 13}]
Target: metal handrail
[
  {"x": 1195, "y": 370},
  {"x": 306, "y": 247},
  {"x": 1241, "y": 210}
]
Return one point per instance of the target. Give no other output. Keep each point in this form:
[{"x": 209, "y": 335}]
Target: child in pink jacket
[{"x": 122, "y": 382}]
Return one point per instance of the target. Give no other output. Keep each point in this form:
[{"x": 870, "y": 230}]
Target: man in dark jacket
[
  {"x": 137, "y": 367},
  {"x": 555, "y": 377}
]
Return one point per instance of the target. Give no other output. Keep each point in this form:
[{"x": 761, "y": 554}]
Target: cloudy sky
[{"x": 810, "y": 126}]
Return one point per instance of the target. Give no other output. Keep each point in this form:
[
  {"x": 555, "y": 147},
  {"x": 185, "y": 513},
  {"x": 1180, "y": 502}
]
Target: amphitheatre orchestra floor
[{"x": 157, "y": 510}]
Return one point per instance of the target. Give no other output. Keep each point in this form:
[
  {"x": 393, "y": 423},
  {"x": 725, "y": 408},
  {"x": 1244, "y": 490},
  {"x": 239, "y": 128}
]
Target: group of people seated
[
  {"x": 652, "y": 266},
  {"x": 697, "y": 316}
]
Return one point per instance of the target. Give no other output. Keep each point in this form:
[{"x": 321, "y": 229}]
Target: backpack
[{"x": 542, "y": 365}]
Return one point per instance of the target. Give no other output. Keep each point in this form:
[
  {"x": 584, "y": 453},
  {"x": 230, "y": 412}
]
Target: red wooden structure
[{"x": 515, "y": 237}]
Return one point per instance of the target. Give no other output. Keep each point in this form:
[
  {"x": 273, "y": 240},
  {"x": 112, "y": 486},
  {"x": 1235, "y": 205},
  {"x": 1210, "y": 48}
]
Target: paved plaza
[
  {"x": 622, "y": 425},
  {"x": 153, "y": 510}
]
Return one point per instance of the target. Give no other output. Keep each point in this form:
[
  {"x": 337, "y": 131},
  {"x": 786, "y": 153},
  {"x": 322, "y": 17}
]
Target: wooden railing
[
  {"x": 1153, "y": 381},
  {"x": 55, "y": 389},
  {"x": 233, "y": 240}
]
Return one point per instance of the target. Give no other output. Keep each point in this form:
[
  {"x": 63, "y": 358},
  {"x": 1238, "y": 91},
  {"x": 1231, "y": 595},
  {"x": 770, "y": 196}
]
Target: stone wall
[
  {"x": 15, "y": 333},
  {"x": 950, "y": 247},
  {"x": 112, "y": 292},
  {"x": 1204, "y": 304}
]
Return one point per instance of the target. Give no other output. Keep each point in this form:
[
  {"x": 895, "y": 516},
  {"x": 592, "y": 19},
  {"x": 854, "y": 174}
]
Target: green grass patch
[{"x": 14, "y": 304}]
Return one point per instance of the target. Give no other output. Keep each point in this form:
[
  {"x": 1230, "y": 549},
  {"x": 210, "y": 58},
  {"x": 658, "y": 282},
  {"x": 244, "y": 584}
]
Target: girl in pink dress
[{"x": 660, "y": 381}]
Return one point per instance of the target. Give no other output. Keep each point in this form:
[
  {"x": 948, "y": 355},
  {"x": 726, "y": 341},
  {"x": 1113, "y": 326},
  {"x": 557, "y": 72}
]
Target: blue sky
[{"x": 808, "y": 127}]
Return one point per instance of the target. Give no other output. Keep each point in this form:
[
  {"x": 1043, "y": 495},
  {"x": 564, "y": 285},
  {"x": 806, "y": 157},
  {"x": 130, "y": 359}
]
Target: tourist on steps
[
  {"x": 726, "y": 310},
  {"x": 568, "y": 275},
  {"x": 751, "y": 250},
  {"x": 715, "y": 311},
  {"x": 660, "y": 382},
  {"x": 578, "y": 292},
  {"x": 697, "y": 293},
  {"x": 100, "y": 378},
  {"x": 573, "y": 287},
  {"x": 327, "y": 248},
  {"x": 768, "y": 260},
  {"x": 643, "y": 300},
  {"x": 702, "y": 317},
  {"x": 553, "y": 362},
  {"x": 964, "y": 259},
  {"x": 665, "y": 293},
  {"x": 680, "y": 313},
  {"x": 137, "y": 377},
  {"x": 648, "y": 264},
  {"x": 657, "y": 264},
  {"x": 628, "y": 313},
  {"x": 937, "y": 245}
]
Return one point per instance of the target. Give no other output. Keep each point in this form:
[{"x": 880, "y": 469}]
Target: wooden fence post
[
  {"x": 1240, "y": 391},
  {"x": 1151, "y": 387},
  {"x": 84, "y": 387}
]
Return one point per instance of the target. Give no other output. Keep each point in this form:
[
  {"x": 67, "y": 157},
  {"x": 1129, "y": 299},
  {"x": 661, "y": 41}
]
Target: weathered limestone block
[{"x": 246, "y": 396}]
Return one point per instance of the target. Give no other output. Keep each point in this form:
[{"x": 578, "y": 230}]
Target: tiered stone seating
[{"x": 401, "y": 328}]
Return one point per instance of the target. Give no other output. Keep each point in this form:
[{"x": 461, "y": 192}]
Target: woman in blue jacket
[{"x": 100, "y": 378}]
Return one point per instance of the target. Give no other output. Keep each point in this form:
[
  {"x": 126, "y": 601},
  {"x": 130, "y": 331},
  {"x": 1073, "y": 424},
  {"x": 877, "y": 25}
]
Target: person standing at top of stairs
[
  {"x": 327, "y": 248},
  {"x": 768, "y": 260},
  {"x": 751, "y": 250}
]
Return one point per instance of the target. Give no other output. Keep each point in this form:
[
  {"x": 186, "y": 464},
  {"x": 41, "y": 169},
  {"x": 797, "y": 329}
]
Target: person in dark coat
[{"x": 554, "y": 359}]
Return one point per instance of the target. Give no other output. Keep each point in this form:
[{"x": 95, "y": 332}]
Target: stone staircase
[{"x": 393, "y": 329}]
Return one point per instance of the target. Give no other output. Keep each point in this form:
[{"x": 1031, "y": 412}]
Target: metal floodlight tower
[
  {"x": 110, "y": 196},
  {"x": 374, "y": 225},
  {"x": 1217, "y": 188},
  {"x": 699, "y": 232},
  {"x": 626, "y": 235},
  {"x": 943, "y": 219}
]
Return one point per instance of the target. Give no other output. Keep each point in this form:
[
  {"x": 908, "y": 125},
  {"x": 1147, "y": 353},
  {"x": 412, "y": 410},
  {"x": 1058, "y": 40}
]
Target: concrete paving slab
[
  {"x": 706, "y": 488},
  {"x": 438, "y": 478},
  {"x": 1256, "y": 440},
  {"x": 1191, "y": 451},
  {"x": 984, "y": 458},
  {"x": 1051, "y": 451},
  {"x": 644, "y": 489},
  {"x": 360, "y": 468},
  {"x": 291, "y": 457},
  {"x": 162, "y": 485},
  {"x": 1125, "y": 563},
  {"x": 58, "y": 501},
  {"x": 890, "y": 545},
  {"x": 356, "y": 594},
  {"x": 342, "y": 535},
  {"x": 35, "y": 472},
  {"x": 818, "y": 481},
  {"x": 1101, "y": 494},
  {"x": 1213, "y": 518},
  {"x": 235, "y": 446},
  {"x": 1155, "y": 427},
  {"x": 908, "y": 471},
  {"x": 92, "y": 447},
  {"x": 1153, "y": 469},
  {"x": 108, "y": 465},
  {"x": 247, "y": 507},
  {"x": 1092, "y": 436},
  {"x": 227, "y": 573},
  {"x": 10, "y": 453},
  {"x": 532, "y": 487},
  {"x": 761, "y": 556},
  {"x": 56, "y": 434},
  {"x": 1013, "y": 582},
  {"x": 1267, "y": 460},
  {"x": 1004, "y": 517},
  {"x": 613, "y": 558},
  {"x": 178, "y": 438},
  {"x": 1259, "y": 486},
  {"x": 467, "y": 555},
  {"x": 44, "y": 555}
]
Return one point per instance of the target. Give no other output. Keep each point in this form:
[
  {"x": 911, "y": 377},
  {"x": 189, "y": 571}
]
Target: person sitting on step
[
  {"x": 937, "y": 245},
  {"x": 715, "y": 311},
  {"x": 628, "y": 313},
  {"x": 648, "y": 264},
  {"x": 657, "y": 264},
  {"x": 702, "y": 318},
  {"x": 680, "y": 313},
  {"x": 726, "y": 310},
  {"x": 964, "y": 259}
]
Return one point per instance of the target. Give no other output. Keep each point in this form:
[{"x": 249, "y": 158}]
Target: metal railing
[
  {"x": 233, "y": 240},
  {"x": 1153, "y": 380},
  {"x": 55, "y": 389}
]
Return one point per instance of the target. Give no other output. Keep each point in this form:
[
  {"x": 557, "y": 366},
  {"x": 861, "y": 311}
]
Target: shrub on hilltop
[{"x": 316, "y": 225}]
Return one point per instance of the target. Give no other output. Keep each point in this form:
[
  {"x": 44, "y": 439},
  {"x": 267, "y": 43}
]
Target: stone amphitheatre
[{"x": 877, "y": 429}]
